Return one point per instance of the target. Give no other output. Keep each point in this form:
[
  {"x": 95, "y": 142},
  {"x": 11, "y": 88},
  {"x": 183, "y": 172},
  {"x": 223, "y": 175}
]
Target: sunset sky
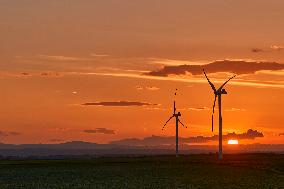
[{"x": 94, "y": 70}]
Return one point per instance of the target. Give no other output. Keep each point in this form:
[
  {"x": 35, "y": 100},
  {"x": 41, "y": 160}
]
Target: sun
[{"x": 233, "y": 142}]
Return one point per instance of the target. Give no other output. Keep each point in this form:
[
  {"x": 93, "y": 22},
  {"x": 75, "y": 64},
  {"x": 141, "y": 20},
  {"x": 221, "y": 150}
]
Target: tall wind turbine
[
  {"x": 218, "y": 93},
  {"x": 176, "y": 115}
]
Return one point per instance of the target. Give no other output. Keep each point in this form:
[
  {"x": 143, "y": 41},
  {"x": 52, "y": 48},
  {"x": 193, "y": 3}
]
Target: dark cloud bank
[
  {"x": 160, "y": 140},
  {"x": 236, "y": 67},
  {"x": 118, "y": 103},
  {"x": 154, "y": 145}
]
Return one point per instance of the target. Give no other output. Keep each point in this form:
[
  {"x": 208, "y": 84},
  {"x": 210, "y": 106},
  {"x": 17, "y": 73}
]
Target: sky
[{"x": 103, "y": 71}]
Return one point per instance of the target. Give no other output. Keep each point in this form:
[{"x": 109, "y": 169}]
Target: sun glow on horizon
[{"x": 233, "y": 142}]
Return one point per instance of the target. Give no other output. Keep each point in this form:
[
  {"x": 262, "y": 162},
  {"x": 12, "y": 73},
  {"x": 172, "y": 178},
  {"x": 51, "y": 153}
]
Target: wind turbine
[
  {"x": 218, "y": 93},
  {"x": 176, "y": 115}
]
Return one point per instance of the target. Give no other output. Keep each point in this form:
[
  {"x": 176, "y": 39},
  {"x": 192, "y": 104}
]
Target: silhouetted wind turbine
[
  {"x": 218, "y": 93},
  {"x": 176, "y": 115}
]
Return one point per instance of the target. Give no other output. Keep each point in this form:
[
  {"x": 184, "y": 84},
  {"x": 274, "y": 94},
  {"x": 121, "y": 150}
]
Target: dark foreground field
[{"x": 194, "y": 171}]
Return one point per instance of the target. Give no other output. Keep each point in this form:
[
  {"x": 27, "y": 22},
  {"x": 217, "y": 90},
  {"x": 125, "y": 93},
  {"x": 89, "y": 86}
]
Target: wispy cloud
[
  {"x": 100, "y": 131},
  {"x": 258, "y": 50},
  {"x": 139, "y": 88},
  {"x": 25, "y": 74},
  {"x": 50, "y": 74},
  {"x": 235, "y": 110},
  {"x": 119, "y": 103},
  {"x": 9, "y": 133},
  {"x": 272, "y": 48},
  {"x": 61, "y": 58},
  {"x": 31, "y": 74},
  {"x": 277, "y": 47},
  {"x": 150, "y": 88},
  {"x": 237, "y": 82},
  {"x": 60, "y": 129},
  {"x": 198, "y": 108},
  {"x": 161, "y": 140},
  {"x": 99, "y": 55}
]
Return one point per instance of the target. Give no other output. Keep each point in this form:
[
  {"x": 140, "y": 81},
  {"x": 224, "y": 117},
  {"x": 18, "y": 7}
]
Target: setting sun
[{"x": 233, "y": 142}]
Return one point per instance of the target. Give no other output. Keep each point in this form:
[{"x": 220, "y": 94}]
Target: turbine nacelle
[
  {"x": 223, "y": 91},
  {"x": 220, "y": 92},
  {"x": 177, "y": 115}
]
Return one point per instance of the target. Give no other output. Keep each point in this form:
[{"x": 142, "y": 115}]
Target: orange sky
[{"x": 57, "y": 55}]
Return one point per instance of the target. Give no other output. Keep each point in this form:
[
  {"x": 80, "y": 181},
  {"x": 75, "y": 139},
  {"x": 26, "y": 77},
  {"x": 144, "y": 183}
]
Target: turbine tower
[
  {"x": 176, "y": 115},
  {"x": 218, "y": 93}
]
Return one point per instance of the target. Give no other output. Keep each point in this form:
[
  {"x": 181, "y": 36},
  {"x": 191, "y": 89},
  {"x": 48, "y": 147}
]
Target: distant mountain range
[{"x": 80, "y": 148}]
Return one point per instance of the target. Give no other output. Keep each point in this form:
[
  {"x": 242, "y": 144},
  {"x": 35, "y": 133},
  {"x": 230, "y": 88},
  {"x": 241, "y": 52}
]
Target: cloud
[
  {"x": 198, "y": 108},
  {"x": 9, "y": 133},
  {"x": 61, "y": 58},
  {"x": 13, "y": 133},
  {"x": 32, "y": 74},
  {"x": 50, "y": 74},
  {"x": 257, "y": 50},
  {"x": 277, "y": 47},
  {"x": 99, "y": 55},
  {"x": 139, "y": 88},
  {"x": 100, "y": 131},
  {"x": 60, "y": 129},
  {"x": 271, "y": 49},
  {"x": 231, "y": 66},
  {"x": 118, "y": 103},
  {"x": 25, "y": 74},
  {"x": 235, "y": 110},
  {"x": 186, "y": 80},
  {"x": 150, "y": 88},
  {"x": 250, "y": 134},
  {"x": 161, "y": 140}
]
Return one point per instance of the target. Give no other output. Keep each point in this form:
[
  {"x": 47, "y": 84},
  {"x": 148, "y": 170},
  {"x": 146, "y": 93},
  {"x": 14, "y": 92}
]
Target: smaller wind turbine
[
  {"x": 176, "y": 115},
  {"x": 218, "y": 93}
]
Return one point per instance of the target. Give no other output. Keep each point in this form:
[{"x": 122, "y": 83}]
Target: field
[{"x": 193, "y": 171}]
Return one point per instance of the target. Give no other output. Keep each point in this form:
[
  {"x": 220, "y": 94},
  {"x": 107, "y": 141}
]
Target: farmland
[{"x": 192, "y": 171}]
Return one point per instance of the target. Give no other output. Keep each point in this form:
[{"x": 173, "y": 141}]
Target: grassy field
[{"x": 193, "y": 171}]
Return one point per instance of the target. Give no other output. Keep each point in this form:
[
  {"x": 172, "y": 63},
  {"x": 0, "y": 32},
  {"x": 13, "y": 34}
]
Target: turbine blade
[
  {"x": 226, "y": 82},
  {"x": 167, "y": 122},
  {"x": 213, "y": 112},
  {"x": 210, "y": 83},
  {"x": 182, "y": 123},
  {"x": 214, "y": 104},
  {"x": 212, "y": 122}
]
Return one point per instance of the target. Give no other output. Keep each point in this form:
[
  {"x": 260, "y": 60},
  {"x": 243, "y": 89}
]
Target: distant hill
[{"x": 79, "y": 148}]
